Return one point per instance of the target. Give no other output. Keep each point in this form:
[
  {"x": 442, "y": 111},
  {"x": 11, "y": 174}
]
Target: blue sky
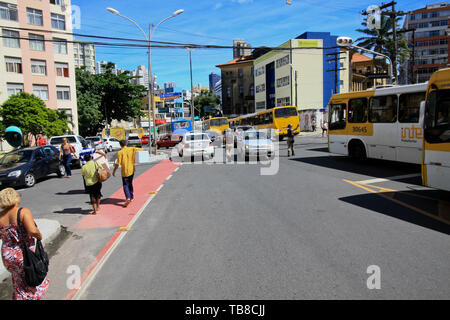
[{"x": 258, "y": 22}]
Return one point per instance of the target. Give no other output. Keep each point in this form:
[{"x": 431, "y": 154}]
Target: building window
[
  {"x": 39, "y": 67},
  {"x": 57, "y": 2},
  {"x": 260, "y": 88},
  {"x": 8, "y": 11},
  {"x": 13, "y": 64},
  {"x": 36, "y": 42},
  {"x": 260, "y": 105},
  {"x": 240, "y": 73},
  {"x": 40, "y": 91},
  {"x": 228, "y": 92},
  {"x": 283, "y": 61},
  {"x": 11, "y": 38},
  {"x": 58, "y": 21},
  {"x": 14, "y": 88},
  {"x": 283, "y": 102},
  {"x": 285, "y": 81},
  {"x": 34, "y": 17},
  {"x": 259, "y": 71},
  {"x": 62, "y": 93},
  {"x": 62, "y": 69},
  {"x": 59, "y": 46}
]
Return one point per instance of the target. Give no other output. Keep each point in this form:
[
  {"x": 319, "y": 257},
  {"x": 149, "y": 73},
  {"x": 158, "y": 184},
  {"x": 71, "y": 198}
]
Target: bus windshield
[
  {"x": 285, "y": 112},
  {"x": 337, "y": 116},
  {"x": 437, "y": 124},
  {"x": 218, "y": 122}
]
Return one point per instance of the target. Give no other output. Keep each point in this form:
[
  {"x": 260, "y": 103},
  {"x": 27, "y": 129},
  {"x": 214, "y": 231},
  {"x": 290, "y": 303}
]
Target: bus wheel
[{"x": 357, "y": 151}]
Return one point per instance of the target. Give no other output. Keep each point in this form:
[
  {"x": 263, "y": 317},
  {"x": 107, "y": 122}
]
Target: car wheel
[
  {"x": 61, "y": 171},
  {"x": 30, "y": 180}
]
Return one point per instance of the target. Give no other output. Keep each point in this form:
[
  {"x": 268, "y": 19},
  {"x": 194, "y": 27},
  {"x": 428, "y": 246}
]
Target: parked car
[
  {"x": 134, "y": 140},
  {"x": 24, "y": 167},
  {"x": 255, "y": 143},
  {"x": 75, "y": 141},
  {"x": 97, "y": 143},
  {"x": 111, "y": 144},
  {"x": 195, "y": 144},
  {"x": 169, "y": 140}
]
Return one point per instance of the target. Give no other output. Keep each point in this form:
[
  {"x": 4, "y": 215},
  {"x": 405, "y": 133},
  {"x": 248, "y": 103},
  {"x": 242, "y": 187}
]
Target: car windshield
[
  {"x": 22, "y": 156},
  {"x": 255, "y": 135},
  {"x": 93, "y": 139},
  {"x": 58, "y": 140},
  {"x": 197, "y": 137},
  {"x": 285, "y": 112},
  {"x": 181, "y": 125}
]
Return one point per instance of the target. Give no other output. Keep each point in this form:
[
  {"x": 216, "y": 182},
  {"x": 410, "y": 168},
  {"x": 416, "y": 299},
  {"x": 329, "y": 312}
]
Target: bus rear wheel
[{"x": 357, "y": 151}]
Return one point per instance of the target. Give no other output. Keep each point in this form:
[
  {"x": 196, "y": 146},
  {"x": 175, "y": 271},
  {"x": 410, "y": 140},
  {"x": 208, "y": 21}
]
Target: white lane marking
[
  {"x": 406, "y": 176},
  {"x": 169, "y": 177}
]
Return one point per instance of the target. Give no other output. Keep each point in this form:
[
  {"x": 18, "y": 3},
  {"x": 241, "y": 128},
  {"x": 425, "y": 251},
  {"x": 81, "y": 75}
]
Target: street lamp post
[
  {"x": 348, "y": 42},
  {"x": 192, "y": 91},
  {"x": 150, "y": 76}
]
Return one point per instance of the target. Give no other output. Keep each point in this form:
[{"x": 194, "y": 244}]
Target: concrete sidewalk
[{"x": 50, "y": 230}]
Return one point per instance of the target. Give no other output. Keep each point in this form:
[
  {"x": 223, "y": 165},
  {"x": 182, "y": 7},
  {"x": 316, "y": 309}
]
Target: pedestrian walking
[
  {"x": 324, "y": 127},
  {"x": 87, "y": 150},
  {"x": 290, "y": 139},
  {"x": 66, "y": 154},
  {"x": 125, "y": 159},
  {"x": 93, "y": 185},
  {"x": 12, "y": 221},
  {"x": 313, "y": 125},
  {"x": 41, "y": 141}
]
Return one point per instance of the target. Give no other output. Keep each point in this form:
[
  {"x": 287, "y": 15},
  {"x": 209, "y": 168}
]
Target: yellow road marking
[{"x": 443, "y": 210}]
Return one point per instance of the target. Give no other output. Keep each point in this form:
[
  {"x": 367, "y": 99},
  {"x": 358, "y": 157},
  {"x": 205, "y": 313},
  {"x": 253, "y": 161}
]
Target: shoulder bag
[
  {"x": 102, "y": 173},
  {"x": 35, "y": 264}
]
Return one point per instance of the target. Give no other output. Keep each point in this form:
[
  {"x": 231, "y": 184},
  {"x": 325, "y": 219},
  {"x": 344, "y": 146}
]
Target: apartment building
[
  {"x": 84, "y": 55},
  {"x": 37, "y": 61},
  {"x": 429, "y": 42}
]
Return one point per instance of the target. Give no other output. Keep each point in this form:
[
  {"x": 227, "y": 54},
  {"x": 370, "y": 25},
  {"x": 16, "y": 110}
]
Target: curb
[{"x": 50, "y": 230}]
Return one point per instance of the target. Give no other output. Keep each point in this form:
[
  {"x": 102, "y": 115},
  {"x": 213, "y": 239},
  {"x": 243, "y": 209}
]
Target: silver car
[
  {"x": 255, "y": 143},
  {"x": 97, "y": 143}
]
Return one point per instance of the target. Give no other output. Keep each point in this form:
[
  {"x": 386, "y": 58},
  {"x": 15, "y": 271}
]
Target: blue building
[
  {"x": 329, "y": 41},
  {"x": 213, "y": 79}
]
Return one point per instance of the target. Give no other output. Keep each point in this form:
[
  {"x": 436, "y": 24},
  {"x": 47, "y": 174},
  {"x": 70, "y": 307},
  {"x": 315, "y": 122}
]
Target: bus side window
[
  {"x": 357, "y": 110},
  {"x": 409, "y": 110},
  {"x": 383, "y": 109}
]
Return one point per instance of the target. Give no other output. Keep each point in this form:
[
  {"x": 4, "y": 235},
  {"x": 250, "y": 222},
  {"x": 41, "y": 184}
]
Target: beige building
[
  {"x": 84, "y": 55},
  {"x": 36, "y": 61},
  {"x": 290, "y": 77}
]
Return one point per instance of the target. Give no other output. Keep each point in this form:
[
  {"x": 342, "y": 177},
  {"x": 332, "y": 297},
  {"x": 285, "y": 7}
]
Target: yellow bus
[
  {"x": 219, "y": 124},
  {"x": 139, "y": 131},
  {"x": 276, "y": 119},
  {"x": 382, "y": 123},
  {"x": 436, "y": 145}
]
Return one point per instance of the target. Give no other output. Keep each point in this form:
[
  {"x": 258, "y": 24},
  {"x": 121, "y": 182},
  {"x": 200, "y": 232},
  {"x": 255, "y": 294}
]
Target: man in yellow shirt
[{"x": 125, "y": 159}]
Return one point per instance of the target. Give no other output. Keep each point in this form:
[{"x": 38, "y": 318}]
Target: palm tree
[{"x": 381, "y": 40}]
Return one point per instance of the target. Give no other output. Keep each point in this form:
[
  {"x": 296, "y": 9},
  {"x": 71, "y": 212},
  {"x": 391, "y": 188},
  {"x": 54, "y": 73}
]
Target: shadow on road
[
  {"x": 419, "y": 208},
  {"x": 70, "y": 192},
  {"x": 370, "y": 167},
  {"x": 73, "y": 211}
]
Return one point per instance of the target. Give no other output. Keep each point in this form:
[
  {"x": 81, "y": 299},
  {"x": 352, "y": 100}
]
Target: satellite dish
[{"x": 14, "y": 136}]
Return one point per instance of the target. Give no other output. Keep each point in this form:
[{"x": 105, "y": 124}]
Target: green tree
[
  {"x": 31, "y": 115},
  {"x": 382, "y": 41},
  {"x": 206, "y": 98},
  {"x": 106, "y": 97}
]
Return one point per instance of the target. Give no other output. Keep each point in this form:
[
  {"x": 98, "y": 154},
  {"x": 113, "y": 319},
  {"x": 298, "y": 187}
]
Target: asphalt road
[{"x": 311, "y": 231}]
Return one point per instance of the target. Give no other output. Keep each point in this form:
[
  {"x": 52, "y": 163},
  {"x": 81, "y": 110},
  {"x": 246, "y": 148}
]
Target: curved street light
[
  {"x": 348, "y": 42},
  {"x": 150, "y": 76}
]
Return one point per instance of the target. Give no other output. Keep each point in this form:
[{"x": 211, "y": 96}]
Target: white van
[{"x": 75, "y": 141}]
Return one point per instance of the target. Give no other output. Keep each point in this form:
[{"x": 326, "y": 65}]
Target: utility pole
[
  {"x": 413, "y": 60},
  {"x": 336, "y": 68},
  {"x": 393, "y": 14}
]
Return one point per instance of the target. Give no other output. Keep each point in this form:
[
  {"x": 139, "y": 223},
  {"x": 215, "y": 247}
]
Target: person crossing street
[{"x": 290, "y": 139}]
